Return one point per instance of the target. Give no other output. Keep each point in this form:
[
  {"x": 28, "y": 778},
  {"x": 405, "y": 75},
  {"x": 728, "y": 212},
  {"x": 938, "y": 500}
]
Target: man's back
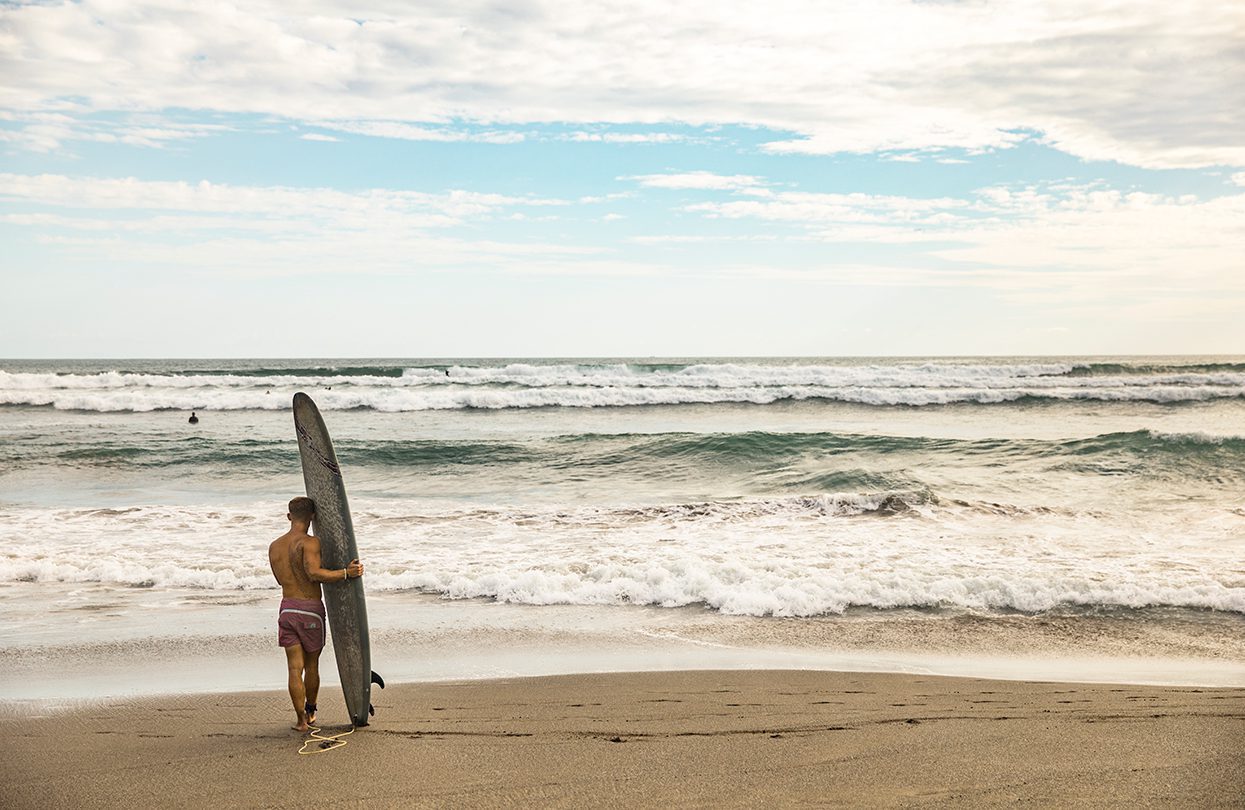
[{"x": 286, "y": 556}]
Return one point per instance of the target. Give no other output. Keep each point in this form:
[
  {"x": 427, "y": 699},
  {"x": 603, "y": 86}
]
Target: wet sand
[{"x": 691, "y": 738}]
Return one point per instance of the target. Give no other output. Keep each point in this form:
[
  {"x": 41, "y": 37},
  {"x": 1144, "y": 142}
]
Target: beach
[{"x": 686, "y": 738}]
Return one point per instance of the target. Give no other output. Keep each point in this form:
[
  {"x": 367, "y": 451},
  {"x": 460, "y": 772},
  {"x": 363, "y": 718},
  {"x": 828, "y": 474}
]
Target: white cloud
[
  {"x": 700, "y": 239},
  {"x": 316, "y": 136},
  {"x": 276, "y": 201},
  {"x": 205, "y": 213},
  {"x": 1047, "y": 238},
  {"x": 627, "y": 137},
  {"x": 1156, "y": 240},
  {"x": 279, "y": 230},
  {"x": 593, "y": 199},
  {"x": 813, "y": 208},
  {"x": 1147, "y": 84},
  {"x": 49, "y": 132},
  {"x": 699, "y": 180},
  {"x": 408, "y": 132}
]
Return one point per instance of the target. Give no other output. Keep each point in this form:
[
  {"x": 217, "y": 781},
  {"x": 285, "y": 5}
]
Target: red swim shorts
[{"x": 301, "y": 621}]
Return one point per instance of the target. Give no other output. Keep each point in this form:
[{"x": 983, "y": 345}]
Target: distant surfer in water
[
  {"x": 301, "y": 629},
  {"x": 194, "y": 420}
]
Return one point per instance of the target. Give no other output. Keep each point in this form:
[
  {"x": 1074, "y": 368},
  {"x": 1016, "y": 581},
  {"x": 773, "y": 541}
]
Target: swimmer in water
[{"x": 194, "y": 420}]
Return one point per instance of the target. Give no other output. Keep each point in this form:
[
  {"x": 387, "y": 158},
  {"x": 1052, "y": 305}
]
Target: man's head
[{"x": 302, "y": 510}]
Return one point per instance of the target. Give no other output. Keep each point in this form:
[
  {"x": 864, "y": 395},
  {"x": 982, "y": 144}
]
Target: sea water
[{"x": 1060, "y": 517}]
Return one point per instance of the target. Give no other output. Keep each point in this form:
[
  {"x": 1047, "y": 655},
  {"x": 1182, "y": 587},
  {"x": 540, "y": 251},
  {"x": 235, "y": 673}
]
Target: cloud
[
  {"x": 1050, "y": 243},
  {"x": 593, "y": 199},
  {"x": 1146, "y": 84},
  {"x": 408, "y": 132},
  {"x": 283, "y": 230},
  {"x": 280, "y": 201},
  {"x": 202, "y": 212},
  {"x": 1159, "y": 241},
  {"x": 816, "y": 208},
  {"x": 316, "y": 136},
  {"x": 700, "y": 239},
  {"x": 627, "y": 137},
  {"x": 49, "y": 132},
  {"x": 699, "y": 180},
  {"x": 1048, "y": 238}
]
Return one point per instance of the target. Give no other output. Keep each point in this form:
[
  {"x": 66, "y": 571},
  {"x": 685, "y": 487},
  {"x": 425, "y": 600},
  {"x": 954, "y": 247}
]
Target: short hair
[{"x": 302, "y": 508}]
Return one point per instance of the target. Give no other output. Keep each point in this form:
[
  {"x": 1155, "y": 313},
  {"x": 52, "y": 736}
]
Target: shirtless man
[{"x": 295, "y": 561}]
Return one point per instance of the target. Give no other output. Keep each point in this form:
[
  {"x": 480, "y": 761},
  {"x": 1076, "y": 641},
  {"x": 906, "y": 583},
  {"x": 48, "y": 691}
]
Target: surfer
[
  {"x": 301, "y": 629},
  {"x": 194, "y": 420}
]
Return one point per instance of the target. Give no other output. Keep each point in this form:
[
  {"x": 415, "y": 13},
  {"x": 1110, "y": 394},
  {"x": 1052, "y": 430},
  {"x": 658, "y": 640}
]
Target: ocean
[{"x": 1080, "y": 518}]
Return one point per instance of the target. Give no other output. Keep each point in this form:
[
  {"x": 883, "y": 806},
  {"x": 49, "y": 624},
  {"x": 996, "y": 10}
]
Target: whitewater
[{"x": 526, "y": 385}]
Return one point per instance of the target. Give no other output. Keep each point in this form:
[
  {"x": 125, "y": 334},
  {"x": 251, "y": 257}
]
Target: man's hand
[{"x": 354, "y": 570}]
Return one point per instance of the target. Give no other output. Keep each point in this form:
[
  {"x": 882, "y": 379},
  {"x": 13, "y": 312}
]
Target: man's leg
[
  {"x": 294, "y": 663},
  {"x": 311, "y": 681}
]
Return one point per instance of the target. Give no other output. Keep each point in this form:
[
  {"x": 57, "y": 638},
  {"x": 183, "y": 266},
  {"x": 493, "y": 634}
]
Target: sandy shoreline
[
  {"x": 86, "y": 645},
  {"x": 694, "y": 738}
]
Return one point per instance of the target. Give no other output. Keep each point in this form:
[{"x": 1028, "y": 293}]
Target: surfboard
[{"x": 343, "y": 601}]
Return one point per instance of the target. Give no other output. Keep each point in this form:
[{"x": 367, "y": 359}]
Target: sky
[{"x": 570, "y": 179}]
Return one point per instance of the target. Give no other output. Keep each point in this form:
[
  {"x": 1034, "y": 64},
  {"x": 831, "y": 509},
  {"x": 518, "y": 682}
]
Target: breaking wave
[
  {"x": 399, "y": 388},
  {"x": 798, "y": 556},
  {"x": 759, "y": 461}
]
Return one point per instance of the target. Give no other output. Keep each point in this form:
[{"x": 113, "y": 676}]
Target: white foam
[
  {"x": 458, "y": 398},
  {"x": 612, "y": 385},
  {"x": 786, "y": 557}
]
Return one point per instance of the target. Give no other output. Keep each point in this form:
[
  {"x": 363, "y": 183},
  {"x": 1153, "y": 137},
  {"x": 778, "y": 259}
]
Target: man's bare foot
[
  {"x": 311, "y": 713},
  {"x": 302, "y": 723}
]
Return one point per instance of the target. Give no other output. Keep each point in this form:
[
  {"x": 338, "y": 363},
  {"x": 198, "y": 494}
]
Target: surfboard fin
[
  {"x": 376, "y": 679},
  {"x": 371, "y": 710}
]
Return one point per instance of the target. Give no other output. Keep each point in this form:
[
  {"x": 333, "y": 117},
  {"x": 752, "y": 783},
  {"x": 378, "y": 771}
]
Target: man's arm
[
  {"x": 311, "y": 562},
  {"x": 272, "y": 561}
]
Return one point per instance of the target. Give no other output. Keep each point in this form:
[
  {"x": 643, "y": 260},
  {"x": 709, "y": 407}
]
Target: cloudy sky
[{"x": 403, "y": 179}]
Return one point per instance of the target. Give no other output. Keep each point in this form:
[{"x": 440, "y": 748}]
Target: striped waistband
[
  {"x": 313, "y": 607},
  {"x": 302, "y": 612}
]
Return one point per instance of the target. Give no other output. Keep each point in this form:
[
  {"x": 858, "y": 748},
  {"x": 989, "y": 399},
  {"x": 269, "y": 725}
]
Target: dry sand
[{"x": 733, "y": 738}]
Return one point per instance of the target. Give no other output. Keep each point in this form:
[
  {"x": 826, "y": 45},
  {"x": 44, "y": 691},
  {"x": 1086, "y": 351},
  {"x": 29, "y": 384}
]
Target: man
[{"x": 295, "y": 561}]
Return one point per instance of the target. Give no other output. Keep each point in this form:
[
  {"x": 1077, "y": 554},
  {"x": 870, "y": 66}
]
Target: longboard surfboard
[{"x": 343, "y": 601}]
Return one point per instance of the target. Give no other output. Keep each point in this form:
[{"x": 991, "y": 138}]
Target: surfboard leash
[{"x": 326, "y": 743}]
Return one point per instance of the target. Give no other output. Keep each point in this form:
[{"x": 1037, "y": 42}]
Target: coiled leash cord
[{"x": 327, "y": 743}]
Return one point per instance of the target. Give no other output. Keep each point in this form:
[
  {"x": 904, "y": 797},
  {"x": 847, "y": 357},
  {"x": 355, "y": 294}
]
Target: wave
[
  {"x": 729, "y": 588},
  {"x": 798, "y": 556},
  {"x": 398, "y": 400},
  {"x": 301, "y": 372},
  {"x": 1097, "y": 369},
  {"x": 534, "y": 385},
  {"x": 791, "y": 462},
  {"x": 773, "y": 591}
]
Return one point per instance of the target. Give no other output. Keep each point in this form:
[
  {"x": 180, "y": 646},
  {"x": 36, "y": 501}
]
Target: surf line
[{"x": 330, "y": 743}]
